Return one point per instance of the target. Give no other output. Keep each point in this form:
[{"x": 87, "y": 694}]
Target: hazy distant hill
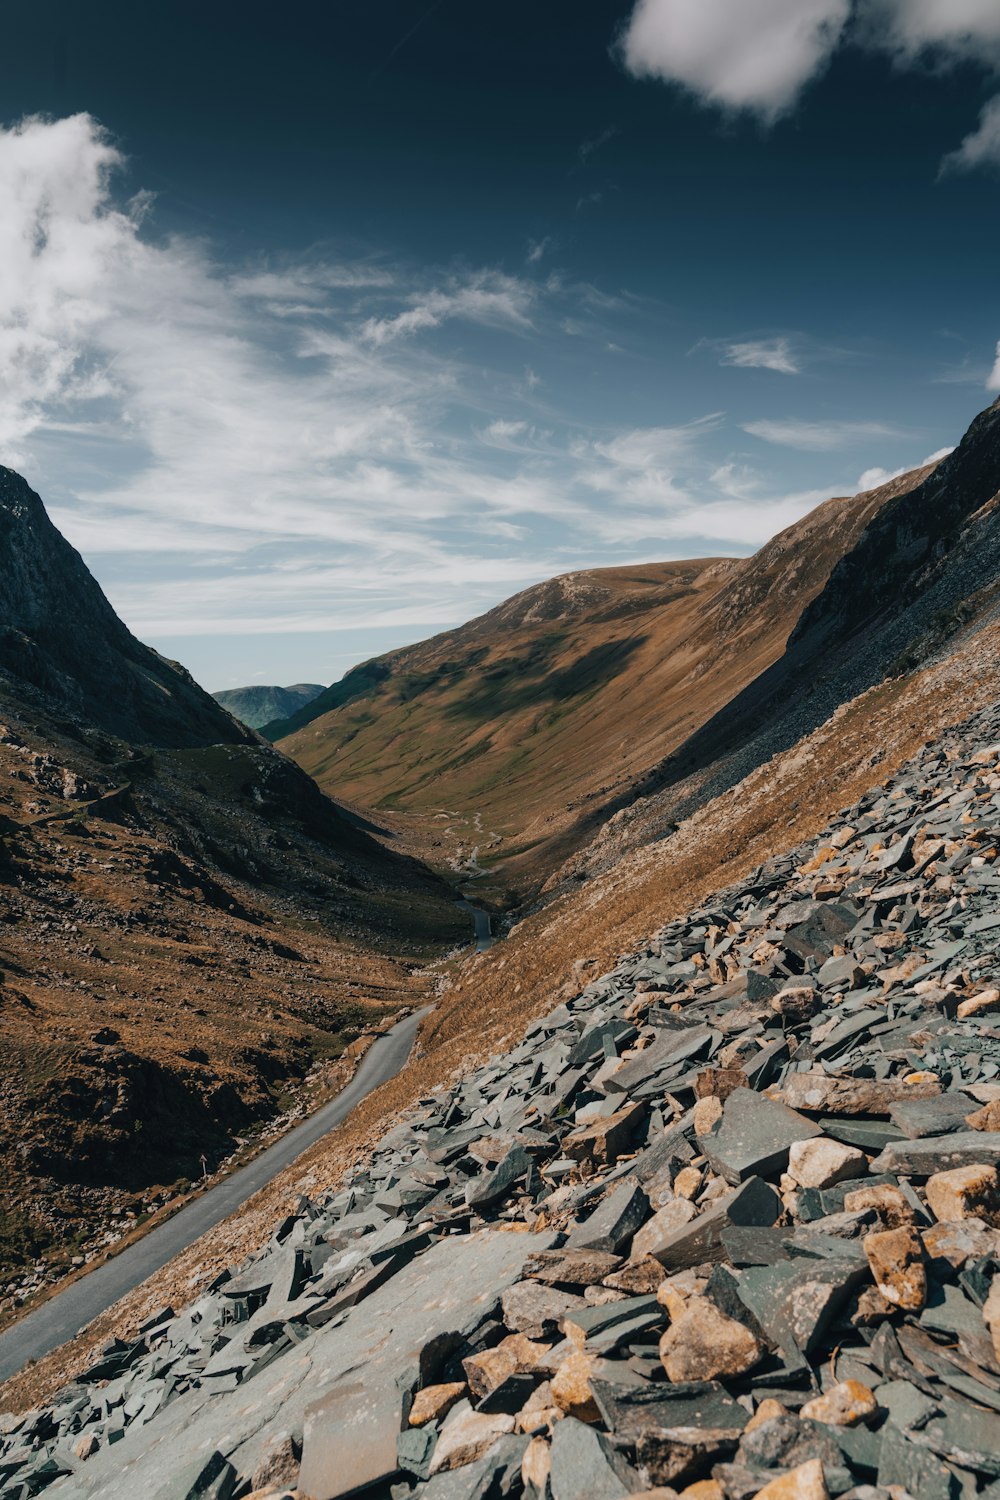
[{"x": 258, "y": 706}]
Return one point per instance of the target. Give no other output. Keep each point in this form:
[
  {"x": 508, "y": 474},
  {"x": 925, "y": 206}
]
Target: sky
[{"x": 325, "y": 327}]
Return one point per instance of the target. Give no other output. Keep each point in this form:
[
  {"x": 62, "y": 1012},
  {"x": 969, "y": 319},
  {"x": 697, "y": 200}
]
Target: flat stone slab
[
  {"x": 922, "y": 1158},
  {"x": 754, "y": 1136},
  {"x": 339, "y": 1386}
]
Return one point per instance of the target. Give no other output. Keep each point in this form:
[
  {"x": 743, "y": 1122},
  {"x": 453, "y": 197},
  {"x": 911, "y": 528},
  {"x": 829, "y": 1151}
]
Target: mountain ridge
[
  {"x": 259, "y": 705},
  {"x": 544, "y": 714}
]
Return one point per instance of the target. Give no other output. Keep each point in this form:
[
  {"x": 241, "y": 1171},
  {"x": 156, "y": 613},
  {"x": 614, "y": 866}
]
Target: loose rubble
[{"x": 725, "y": 1226}]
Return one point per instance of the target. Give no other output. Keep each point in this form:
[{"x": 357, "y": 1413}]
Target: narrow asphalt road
[
  {"x": 63, "y": 1316},
  {"x": 481, "y": 919}
]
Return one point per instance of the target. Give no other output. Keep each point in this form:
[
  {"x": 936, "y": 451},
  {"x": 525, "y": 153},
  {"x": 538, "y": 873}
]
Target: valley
[{"x": 237, "y": 932}]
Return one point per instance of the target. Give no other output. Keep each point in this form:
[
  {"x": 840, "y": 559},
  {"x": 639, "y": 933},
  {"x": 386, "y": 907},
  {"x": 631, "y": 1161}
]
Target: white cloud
[
  {"x": 758, "y": 55},
  {"x": 762, "y": 354},
  {"x": 737, "y": 481},
  {"x": 953, "y": 28},
  {"x": 993, "y": 383},
  {"x": 537, "y": 250},
  {"x": 873, "y": 479},
  {"x": 297, "y": 446},
  {"x": 487, "y": 298},
  {"x": 981, "y": 148},
  {"x": 740, "y": 54},
  {"x": 816, "y": 437}
]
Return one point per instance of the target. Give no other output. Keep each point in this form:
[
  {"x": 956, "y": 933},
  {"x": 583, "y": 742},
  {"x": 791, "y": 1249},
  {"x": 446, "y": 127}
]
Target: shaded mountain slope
[
  {"x": 257, "y": 706},
  {"x": 527, "y": 723},
  {"x": 60, "y": 638},
  {"x": 927, "y": 563},
  {"x": 190, "y": 929}
]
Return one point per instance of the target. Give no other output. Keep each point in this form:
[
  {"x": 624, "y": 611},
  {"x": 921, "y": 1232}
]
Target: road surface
[
  {"x": 63, "y": 1316},
  {"x": 481, "y": 919}
]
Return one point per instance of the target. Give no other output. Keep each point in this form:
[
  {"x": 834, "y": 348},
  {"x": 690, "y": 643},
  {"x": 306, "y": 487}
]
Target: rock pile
[{"x": 727, "y": 1225}]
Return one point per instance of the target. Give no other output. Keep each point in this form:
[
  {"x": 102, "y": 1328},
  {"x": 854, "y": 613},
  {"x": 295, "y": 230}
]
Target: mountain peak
[{"x": 62, "y": 644}]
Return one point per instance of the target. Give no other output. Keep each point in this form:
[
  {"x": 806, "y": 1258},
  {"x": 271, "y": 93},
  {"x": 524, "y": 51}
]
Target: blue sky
[{"x": 321, "y": 332}]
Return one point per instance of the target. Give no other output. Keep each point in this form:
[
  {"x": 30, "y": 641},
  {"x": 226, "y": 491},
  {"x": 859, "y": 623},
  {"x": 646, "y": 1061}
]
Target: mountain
[
  {"x": 61, "y": 642},
  {"x": 533, "y": 722},
  {"x": 190, "y": 929},
  {"x": 257, "y": 706}
]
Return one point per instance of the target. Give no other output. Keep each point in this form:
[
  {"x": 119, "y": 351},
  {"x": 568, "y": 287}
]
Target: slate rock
[
  {"x": 613, "y": 1223},
  {"x": 583, "y": 1462},
  {"x": 922, "y": 1158},
  {"x": 754, "y": 1137}
]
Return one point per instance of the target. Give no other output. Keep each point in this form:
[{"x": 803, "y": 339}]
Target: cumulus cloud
[
  {"x": 740, "y": 54},
  {"x": 759, "y": 55},
  {"x": 873, "y": 479},
  {"x": 816, "y": 437},
  {"x": 981, "y": 148},
  {"x": 955, "y": 28},
  {"x": 762, "y": 354}
]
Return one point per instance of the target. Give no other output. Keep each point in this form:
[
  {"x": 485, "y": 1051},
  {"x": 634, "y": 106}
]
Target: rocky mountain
[
  {"x": 189, "y": 930},
  {"x": 532, "y": 724},
  {"x": 62, "y": 643},
  {"x": 257, "y": 706},
  {"x": 725, "y": 1217}
]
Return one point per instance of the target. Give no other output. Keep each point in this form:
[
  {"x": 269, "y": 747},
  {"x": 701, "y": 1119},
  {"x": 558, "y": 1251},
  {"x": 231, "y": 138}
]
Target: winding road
[{"x": 64, "y": 1315}]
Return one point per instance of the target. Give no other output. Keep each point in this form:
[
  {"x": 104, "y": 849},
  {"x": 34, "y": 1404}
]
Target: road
[
  {"x": 63, "y": 1316},
  {"x": 481, "y": 919}
]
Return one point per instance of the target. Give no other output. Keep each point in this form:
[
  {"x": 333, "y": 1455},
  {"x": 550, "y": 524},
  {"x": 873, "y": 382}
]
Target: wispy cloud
[
  {"x": 593, "y": 144},
  {"x": 313, "y": 444},
  {"x": 538, "y": 249},
  {"x": 488, "y": 298},
  {"x": 817, "y": 437},
  {"x": 762, "y": 354}
]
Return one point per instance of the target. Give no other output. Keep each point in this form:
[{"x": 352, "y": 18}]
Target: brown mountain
[
  {"x": 190, "y": 928},
  {"x": 531, "y": 725}
]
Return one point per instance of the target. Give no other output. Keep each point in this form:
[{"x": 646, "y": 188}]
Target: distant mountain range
[{"x": 257, "y": 706}]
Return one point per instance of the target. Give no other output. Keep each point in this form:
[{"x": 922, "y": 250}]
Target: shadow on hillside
[{"x": 522, "y": 682}]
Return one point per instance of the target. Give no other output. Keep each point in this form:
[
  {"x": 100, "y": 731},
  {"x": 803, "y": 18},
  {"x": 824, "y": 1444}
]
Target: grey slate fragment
[
  {"x": 922, "y": 1158},
  {"x": 613, "y": 1222},
  {"x": 754, "y": 1136},
  {"x": 753, "y": 1203},
  {"x": 200, "y": 1479},
  {"x": 671, "y": 1047},
  {"x": 923, "y": 1117},
  {"x": 584, "y": 1463},
  {"x": 490, "y": 1187},
  {"x": 794, "y": 1301}
]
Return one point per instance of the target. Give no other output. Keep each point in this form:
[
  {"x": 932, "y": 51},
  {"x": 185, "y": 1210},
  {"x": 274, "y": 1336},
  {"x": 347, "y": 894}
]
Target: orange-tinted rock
[{"x": 896, "y": 1258}]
